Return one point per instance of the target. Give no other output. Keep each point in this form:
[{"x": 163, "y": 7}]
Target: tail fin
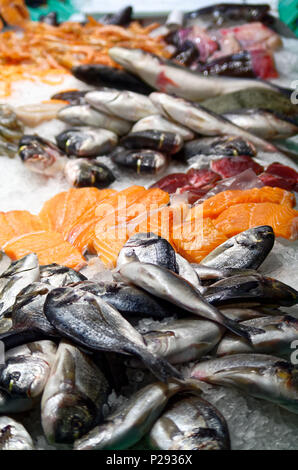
[
  {"x": 161, "y": 368},
  {"x": 242, "y": 330}
]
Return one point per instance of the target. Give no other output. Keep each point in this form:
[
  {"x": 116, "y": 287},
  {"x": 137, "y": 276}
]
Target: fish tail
[
  {"x": 161, "y": 368},
  {"x": 242, "y": 330}
]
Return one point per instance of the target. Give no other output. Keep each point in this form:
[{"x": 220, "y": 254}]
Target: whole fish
[
  {"x": 128, "y": 299},
  {"x": 247, "y": 250},
  {"x": 82, "y": 172},
  {"x": 186, "y": 270},
  {"x": 225, "y": 145},
  {"x": 166, "y": 142},
  {"x": 259, "y": 375},
  {"x": 241, "y": 313},
  {"x": 158, "y": 122},
  {"x": 91, "y": 322},
  {"x": 59, "y": 276},
  {"x": 85, "y": 115},
  {"x": 207, "y": 275},
  {"x": 124, "y": 104},
  {"x": 13, "y": 435},
  {"x": 278, "y": 334},
  {"x": 169, "y": 77},
  {"x": 202, "y": 120},
  {"x": 86, "y": 141},
  {"x": 251, "y": 289},
  {"x": 190, "y": 423},
  {"x": 18, "y": 275},
  {"x": 264, "y": 123},
  {"x": 169, "y": 286},
  {"x": 183, "y": 340},
  {"x": 27, "y": 368},
  {"x": 142, "y": 160},
  {"x": 73, "y": 396},
  {"x": 41, "y": 156},
  {"x": 129, "y": 423},
  {"x": 148, "y": 248},
  {"x": 103, "y": 76}
]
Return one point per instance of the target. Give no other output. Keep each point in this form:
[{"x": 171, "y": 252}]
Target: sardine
[
  {"x": 247, "y": 250},
  {"x": 148, "y": 248},
  {"x": 27, "y": 368},
  {"x": 82, "y": 172},
  {"x": 267, "y": 377},
  {"x": 124, "y": 104},
  {"x": 85, "y": 115},
  {"x": 91, "y": 322},
  {"x": 252, "y": 289},
  {"x": 73, "y": 397},
  {"x": 13, "y": 435},
  {"x": 169, "y": 286},
  {"x": 166, "y": 142},
  {"x": 279, "y": 333},
  {"x": 59, "y": 276},
  {"x": 190, "y": 423},
  {"x": 129, "y": 423},
  {"x": 168, "y": 77},
  {"x": 203, "y": 121},
  {"x": 158, "y": 122},
  {"x": 17, "y": 276},
  {"x": 86, "y": 141},
  {"x": 264, "y": 123},
  {"x": 183, "y": 340}
]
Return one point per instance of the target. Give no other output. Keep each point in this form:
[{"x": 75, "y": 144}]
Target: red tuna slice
[
  {"x": 278, "y": 182},
  {"x": 231, "y": 166},
  {"x": 283, "y": 171},
  {"x": 263, "y": 63},
  {"x": 199, "y": 178},
  {"x": 171, "y": 183},
  {"x": 194, "y": 194}
]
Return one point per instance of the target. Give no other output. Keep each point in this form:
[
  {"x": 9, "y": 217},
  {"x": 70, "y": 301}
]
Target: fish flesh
[
  {"x": 171, "y": 287},
  {"x": 124, "y": 104},
  {"x": 190, "y": 423},
  {"x": 168, "y": 77},
  {"x": 130, "y": 422},
  {"x": 86, "y": 141},
  {"x": 13, "y": 435},
  {"x": 158, "y": 122},
  {"x": 251, "y": 289},
  {"x": 73, "y": 396},
  {"x": 259, "y": 375},
  {"x": 264, "y": 123},
  {"x": 202, "y": 120},
  {"x": 85, "y": 115},
  {"x": 91, "y": 322},
  {"x": 82, "y": 173},
  {"x": 279, "y": 333},
  {"x": 247, "y": 250},
  {"x": 228, "y": 167},
  {"x": 166, "y": 142}
]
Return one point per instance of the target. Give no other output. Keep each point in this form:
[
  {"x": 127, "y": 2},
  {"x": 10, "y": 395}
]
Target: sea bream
[
  {"x": 158, "y": 122},
  {"x": 260, "y": 375},
  {"x": 13, "y": 435},
  {"x": 168, "y": 77}
]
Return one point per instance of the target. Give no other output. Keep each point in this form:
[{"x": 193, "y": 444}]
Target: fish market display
[{"x": 112, "y": 277}]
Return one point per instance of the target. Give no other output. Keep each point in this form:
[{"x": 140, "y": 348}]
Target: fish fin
[
  {"x": 242, "y": 330},
  {"x": 161, "y": 368}
]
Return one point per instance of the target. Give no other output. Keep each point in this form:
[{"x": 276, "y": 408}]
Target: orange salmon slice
[{"x": 15, "y": 223}]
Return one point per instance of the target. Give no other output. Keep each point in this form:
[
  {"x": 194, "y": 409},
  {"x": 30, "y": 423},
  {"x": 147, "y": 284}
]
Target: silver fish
[
  {"x": 83, "y": 172},
  {"x": 59, "y": 276},
  {"x": 15, "y": 404},
  {"x": 259, "y": 375},
  {"x": 278, "y": 334},
  {"x": 203, "y": 121},
  {"x": 247, "y": 250},
  {"x": 263, "y": 123},
  {"x": 190, "y": 423},
  {"x": 13, "y": 435},
  {"x": 187, "y": 271},
  {"x": 19, "y": 274},
  {"x": 85, "y": 115},
  {"x": 86, "y": 142},
  {"x": 169, "y": 286},
  {"x": 184, "y": 340},
  {"x": 27, "y": 369},
  {"x": 171, "y": 78},
  {"x": 124, "y": 104},
  {"x": 158, "y": 122},
  {"x": 91, "y": 322},
  {"x": 5, "y": 262},
  {"x": 73, "y": 396},
  {"x": 128, "y": 424},
  {"x": 245, "y": 313}
]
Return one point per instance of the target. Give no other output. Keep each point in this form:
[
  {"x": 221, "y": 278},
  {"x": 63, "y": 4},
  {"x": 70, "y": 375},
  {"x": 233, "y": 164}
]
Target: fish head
[
  {"x": 38, "y": 154},
  {"x": 82, "y": 172},
  {"x": 126, "y": 57}
]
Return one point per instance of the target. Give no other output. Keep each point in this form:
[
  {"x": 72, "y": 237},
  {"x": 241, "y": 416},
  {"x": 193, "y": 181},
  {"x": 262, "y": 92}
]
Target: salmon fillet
[{"x": 15, "y": 223}]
